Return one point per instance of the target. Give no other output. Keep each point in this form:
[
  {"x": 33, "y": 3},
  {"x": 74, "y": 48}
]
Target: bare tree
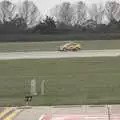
[
  {"x": 80, "y": 13},
  {"x": 112, "y": 10},
  {"x": 54, "y": 12},
  {"x": 7, "y": 11},
  {"x": 96, "y": 12},
  {"x": 30, "y": 13},
  {"x": 63, "y": 13}
]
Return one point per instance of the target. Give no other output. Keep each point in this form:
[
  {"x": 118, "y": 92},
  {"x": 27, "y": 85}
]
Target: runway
[
  {"x": 58, "y": 54},
  {"x": 82, "y": 112},
  {"x": 9, "y": 113}
]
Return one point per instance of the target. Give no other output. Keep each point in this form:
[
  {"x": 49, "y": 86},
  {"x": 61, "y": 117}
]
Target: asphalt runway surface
[
  {"x": 58, "y": 54},
  {"x": 85, "y": 112}
]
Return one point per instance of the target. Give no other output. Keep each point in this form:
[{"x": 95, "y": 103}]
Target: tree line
[{"x": 65, "y": 17}]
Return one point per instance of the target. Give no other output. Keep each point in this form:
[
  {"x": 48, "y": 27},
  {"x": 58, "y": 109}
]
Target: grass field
[
  {"x": 36, "y": 37},
  {"x": 53, "y": 46},
  {"x": 68, "y": 81}
]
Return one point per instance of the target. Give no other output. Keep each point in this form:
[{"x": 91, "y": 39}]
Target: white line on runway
[{"x": 58, "y": 54}]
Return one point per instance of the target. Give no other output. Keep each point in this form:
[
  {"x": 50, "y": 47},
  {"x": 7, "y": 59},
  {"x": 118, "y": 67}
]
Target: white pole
[
  {"x": 43, "y": 87},
  {"x": 33, "y": 89},
  {"x": 108, "y": 111}
]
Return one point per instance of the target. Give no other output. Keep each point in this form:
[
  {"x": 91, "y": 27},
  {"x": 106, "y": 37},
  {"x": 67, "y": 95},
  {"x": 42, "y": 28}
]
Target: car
[{"x": 71, "y": 46}]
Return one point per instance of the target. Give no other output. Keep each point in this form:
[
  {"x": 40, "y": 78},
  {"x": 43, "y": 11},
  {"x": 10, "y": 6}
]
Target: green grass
[
  {"x": 36, "y": 37},
  {"x": 68, "y": 81},
  {"x": 53, "y": 46}
]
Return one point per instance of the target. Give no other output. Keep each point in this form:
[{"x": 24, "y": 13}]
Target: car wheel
[
  {"x": 77, "y": 49},
  {"x": 64, "y": 49}
]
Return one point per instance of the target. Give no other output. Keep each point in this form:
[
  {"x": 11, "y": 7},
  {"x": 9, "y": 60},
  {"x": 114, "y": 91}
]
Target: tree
[
  {"x": 7, "y": 11},
  {"x": 46, "y": 26},
  {"x": 80, "y": 13},
  {"x": 30, "y": 13},
  {"x": 63, "y": 13},
  {"x": 49, "y": 21},
  {"x": 112, "y": 10},
  {"x": 55, "y": 11},
  {"x": 19, "y": 22},
  {"x": 96, "y": 12},
  {"x": 16, "y": 25}
]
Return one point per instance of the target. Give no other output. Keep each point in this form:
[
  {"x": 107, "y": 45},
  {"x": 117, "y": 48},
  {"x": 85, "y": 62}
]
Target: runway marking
[
  {"x": 5, "y": 111},
  {"x": 12, "y": 115},
  {"x": 57, "y": 54},
  {"x": 45, "y": 117},
  {"x": 9, "y": 113}
]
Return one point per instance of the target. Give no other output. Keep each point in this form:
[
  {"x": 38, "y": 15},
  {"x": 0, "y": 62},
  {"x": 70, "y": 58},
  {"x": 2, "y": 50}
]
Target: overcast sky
[{"x": 45, "y": 5}]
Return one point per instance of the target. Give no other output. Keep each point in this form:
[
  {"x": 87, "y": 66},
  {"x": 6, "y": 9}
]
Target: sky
[{"x": 45, "y": 5}]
